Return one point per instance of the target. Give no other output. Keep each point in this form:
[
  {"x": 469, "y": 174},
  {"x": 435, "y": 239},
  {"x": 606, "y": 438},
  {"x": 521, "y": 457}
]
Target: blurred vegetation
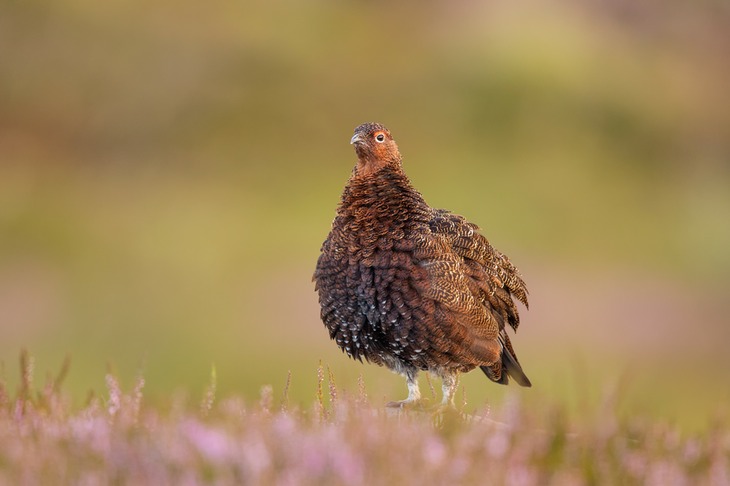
[
  {"x": 169, "y": 170},
  {"x": 337, "y": 438}
]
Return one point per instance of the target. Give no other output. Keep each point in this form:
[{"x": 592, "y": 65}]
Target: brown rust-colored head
[{"x": 375, "y": 148}]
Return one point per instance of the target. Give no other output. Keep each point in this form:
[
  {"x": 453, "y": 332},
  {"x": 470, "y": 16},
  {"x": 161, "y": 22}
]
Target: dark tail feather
[
  {"x": 500, "y": 372},
  {"x": 513, "y": 368},
  {"x": 496, "y": 373}
]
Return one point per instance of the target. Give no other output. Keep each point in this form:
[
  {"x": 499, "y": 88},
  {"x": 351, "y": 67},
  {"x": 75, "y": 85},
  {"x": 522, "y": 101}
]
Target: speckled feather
[{"x": 411, "y": 287}]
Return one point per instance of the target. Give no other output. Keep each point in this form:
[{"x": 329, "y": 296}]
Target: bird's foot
[
  {"x": 410, "y": 404},
  {"x": 447, "y": 415}
]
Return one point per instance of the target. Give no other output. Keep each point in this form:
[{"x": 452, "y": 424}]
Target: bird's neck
[
  {"x": 384, "y": 195},
  {"x": 369, "y": 165}
]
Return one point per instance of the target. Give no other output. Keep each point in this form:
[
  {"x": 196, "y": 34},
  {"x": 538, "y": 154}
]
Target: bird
[{"x": 410, "y": 287}]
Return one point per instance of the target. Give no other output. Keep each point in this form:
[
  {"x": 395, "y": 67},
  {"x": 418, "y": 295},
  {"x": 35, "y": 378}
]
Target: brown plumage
[{"x": 411, "y": 287}]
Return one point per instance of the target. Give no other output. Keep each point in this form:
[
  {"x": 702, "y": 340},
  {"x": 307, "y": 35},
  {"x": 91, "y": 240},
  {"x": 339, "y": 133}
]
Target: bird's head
[{"x": 375, "y": 148}]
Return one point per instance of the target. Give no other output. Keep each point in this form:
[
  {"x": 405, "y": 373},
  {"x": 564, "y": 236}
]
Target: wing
[
  {"x": 496, "y": 277},
  {"x": 473, "y": 284}
]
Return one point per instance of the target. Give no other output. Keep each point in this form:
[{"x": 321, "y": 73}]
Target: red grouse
[{"x": 411, "y": 287}]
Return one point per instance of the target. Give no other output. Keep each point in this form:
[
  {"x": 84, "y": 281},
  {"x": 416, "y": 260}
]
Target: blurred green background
[{"x": 168, "y": 171}]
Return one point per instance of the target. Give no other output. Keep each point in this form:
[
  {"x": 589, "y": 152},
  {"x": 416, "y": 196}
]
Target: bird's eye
[{"x": 380, "y": 137}]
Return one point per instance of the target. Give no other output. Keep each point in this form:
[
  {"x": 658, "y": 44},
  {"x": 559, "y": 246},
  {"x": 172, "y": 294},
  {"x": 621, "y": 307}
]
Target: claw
[
  {"x": 400, "y": 403},
  {"x": 408, "y": 404}
]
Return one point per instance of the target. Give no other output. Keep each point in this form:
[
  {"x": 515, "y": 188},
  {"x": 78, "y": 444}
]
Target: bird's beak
[{"x": 355, "y": 138}]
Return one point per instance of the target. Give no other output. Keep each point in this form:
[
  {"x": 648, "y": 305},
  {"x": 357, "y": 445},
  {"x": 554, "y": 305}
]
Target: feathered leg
[
  {"x": 414, "y": 393},
  {"x": 448, "y": 387}
]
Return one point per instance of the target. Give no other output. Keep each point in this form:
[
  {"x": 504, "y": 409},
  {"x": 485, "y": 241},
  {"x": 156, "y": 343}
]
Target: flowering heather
[{"x": 339, "y": 439}]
